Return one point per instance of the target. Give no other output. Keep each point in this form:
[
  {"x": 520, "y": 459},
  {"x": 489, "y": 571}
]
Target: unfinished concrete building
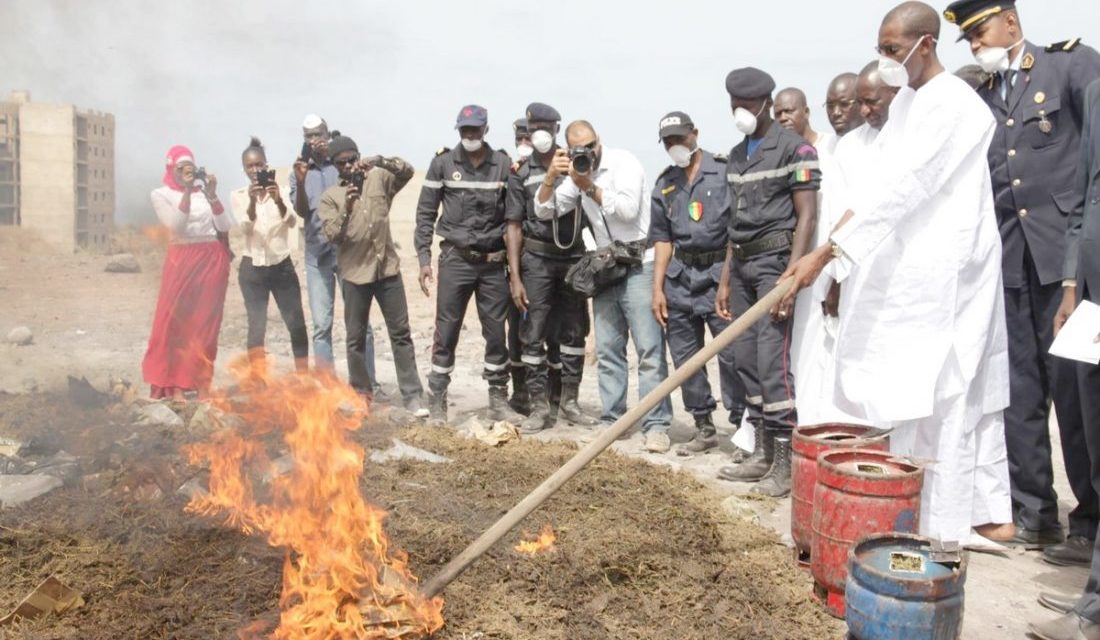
[{"x": 57, "y": 172}]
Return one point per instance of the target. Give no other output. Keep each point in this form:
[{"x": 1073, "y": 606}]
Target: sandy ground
[{"x": 87, "y": 322}]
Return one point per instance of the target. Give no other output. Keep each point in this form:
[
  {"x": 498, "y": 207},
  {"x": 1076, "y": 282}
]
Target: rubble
[
  {"x": 402, "y": 451},
  {"x": 160, "y": 415},
  {"x": 17, "y": 489},
  {"x": 21, "y": 336},
  {"x": 122, "y": 263}
]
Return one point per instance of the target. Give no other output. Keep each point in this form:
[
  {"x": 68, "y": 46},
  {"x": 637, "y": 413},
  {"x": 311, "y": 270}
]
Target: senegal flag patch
[
  {"x": 802, "y": 175},
  {"x": 695, "y": 211}
]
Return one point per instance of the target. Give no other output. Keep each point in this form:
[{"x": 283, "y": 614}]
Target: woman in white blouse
[
  {"x": 266, "y": 270},
  {"x": 184, "y": 341}
]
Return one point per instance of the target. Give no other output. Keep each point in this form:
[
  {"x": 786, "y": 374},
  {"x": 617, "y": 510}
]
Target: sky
[{"x": 393, "y": 75}]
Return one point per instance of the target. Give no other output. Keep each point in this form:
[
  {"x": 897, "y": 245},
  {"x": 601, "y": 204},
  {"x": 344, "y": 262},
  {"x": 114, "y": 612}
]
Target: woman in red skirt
[{"x": 184, "y": 342}]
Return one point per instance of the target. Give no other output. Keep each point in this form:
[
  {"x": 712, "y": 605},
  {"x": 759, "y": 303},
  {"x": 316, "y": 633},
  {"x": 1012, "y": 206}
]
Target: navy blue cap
[
  {"x": 472, "y": 115},
  {"x": 520, "y": 126},
  {"x": 969, "y": 14},
  {"x": 676, "y": 123},
  {"x": 542, "y": 112},
  {"x": 749, "y": 82}
]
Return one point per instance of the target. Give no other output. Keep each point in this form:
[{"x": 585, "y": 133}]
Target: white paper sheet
[{"x": 1077, "y": 339}]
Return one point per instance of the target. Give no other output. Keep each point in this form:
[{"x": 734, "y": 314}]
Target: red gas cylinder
[
  {"x": 859, "y": 492},
  {"x": 809, "y": 442}
]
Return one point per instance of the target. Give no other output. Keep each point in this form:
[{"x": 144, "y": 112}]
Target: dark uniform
[
  {"x": 1038, "y": 106},
  {"x": 471, "y": 260},
  {"x": 520, "y": 400},
  {"x": 694, "y": 218},
  {"x": 557, "y": 317}
]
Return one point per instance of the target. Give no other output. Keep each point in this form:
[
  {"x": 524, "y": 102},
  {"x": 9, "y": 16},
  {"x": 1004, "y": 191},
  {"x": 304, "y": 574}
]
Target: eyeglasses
[
  {"x": 343, "y": 163},
  {"x": 842, "y": 105}
]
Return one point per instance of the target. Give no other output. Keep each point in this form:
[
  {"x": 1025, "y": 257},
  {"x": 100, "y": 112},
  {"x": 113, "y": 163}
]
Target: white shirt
[
  {"x": 624, "y": 214},
  {"x": 197, "y": 224},
  {"x": 921, "y": 269},
  {"x": 265, "y": 239}
]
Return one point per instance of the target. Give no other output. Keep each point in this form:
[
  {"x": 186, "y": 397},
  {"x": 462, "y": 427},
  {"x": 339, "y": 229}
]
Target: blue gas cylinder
[{"x": 895, "y": 590}]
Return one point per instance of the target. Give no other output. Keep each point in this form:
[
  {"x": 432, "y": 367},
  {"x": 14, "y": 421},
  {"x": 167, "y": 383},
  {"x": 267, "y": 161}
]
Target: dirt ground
[{"x": 95, "y": 324}]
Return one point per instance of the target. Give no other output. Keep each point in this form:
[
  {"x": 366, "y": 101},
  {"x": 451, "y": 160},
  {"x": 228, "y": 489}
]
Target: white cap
[{"x": 312, "y": 121}]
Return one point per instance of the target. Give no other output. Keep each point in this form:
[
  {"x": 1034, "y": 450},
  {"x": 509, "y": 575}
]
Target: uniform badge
[
  {"x": 457, "y": 175},
  {"x": 1028, "y": 62},
  {"x": 1045, "y": 125},
  {"x": 695, "y": 211},
  {"x": 667, "y": 190},
  {"x": 1040, "y": 97}
]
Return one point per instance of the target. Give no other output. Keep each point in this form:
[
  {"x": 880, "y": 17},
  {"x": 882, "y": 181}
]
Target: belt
[
  {"x": 473, "y": 255},
  {"x": 774, "y": 242},
  {"x": 701, "y": 258},
  {"x": 549, "y": 248}
]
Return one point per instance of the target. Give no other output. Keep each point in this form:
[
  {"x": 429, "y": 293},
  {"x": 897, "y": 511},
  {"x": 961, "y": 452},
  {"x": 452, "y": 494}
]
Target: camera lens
[{"x": 582, "y": 164}]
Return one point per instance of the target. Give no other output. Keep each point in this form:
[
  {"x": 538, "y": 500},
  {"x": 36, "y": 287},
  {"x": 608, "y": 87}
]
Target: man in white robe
[{"x": 921, "y": 344}]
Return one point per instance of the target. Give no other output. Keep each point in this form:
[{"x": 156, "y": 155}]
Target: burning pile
[
  {"x": 341, "y": 577},
  {"x": 543, "y": 543}
]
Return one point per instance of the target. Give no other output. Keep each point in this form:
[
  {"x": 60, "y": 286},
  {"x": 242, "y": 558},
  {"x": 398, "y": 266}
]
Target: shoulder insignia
[
  {"x": 441, "y": 151},
  {"x": 1065, "y": 45},
  {"x": 721, "y": 157},
  {"x": 667, "y": 190}
]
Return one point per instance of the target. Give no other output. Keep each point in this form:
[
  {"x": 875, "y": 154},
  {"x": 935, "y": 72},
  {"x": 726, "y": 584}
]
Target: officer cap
[
  {"x": 542, "y": 112},
  {"x": 340, "y": 144},
  {"x": 969, "y": 14},
  {"x": 749, "y": 82},
  {"x": 676, "y": 123},
  {"x": 472, "y": 115},
  {"x": 520, "y": 126}
]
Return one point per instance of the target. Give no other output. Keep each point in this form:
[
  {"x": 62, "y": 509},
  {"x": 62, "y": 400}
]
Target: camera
[
  {"x": 356, "y": 179},
  {"x": 582, "y": 158},
  {"x": 265, "y": 177},
  {"x": 306, "y": 154},
  {"x": 200, "y": 174}
]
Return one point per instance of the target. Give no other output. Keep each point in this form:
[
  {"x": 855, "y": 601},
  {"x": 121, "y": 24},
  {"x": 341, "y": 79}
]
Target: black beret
[
  {"x": 542, "y": 112},
  {"x": 749, "y": 82}
]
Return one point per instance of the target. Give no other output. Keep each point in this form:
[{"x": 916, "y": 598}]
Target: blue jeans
[
  {"x": 625, "y": 310},
  {"x": 321, "y": 284}
]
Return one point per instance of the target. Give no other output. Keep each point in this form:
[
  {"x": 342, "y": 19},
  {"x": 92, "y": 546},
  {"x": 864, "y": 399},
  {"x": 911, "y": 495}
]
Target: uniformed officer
[
  {"x": 540, "y": 253},
  {"x": 773, "y": 178},
  {"x": 688, "y": 229},
  {"x": 1036, "y": 95},
  {"x": 471, "y": 183},
  {"x": 521, "y": 399}
]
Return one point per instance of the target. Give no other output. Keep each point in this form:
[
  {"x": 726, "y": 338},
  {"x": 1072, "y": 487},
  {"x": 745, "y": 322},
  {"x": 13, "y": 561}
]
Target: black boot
[
  {"x": 498, "y": 405},
  {"x": 706, "y": 437},
  {"x": 759, "y": 461},
  {"x": 437, "y": 409},
  {"x": 521, "y": 398},
  {"x": 539, "y": 418},
  {"x": 570, "y": 411},
  {"x": 777, "y": 482},
  {"x": 553, "y": 381}
]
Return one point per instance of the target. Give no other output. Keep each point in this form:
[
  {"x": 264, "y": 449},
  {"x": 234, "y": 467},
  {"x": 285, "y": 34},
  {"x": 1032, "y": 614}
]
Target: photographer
[
  {"x": 355, "y": 217},
  {"x": 266, "y": 270},
  {"x": 610, "y": 186},
  {"x": 313, "y": 174},
  {"x": 184, "y": 341}
]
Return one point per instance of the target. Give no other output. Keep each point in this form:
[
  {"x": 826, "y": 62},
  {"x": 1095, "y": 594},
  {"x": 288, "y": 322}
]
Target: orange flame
[
  {"x": 341, "y": 578},
  {"x": 544, "y": 543}
]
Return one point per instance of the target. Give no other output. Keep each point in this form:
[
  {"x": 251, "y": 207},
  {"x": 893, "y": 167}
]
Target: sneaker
[{"x": 657, "y": 442}]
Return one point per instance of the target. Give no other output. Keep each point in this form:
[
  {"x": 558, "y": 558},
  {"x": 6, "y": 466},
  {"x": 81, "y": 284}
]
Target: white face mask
[
  {"x": 893, "y": 72},
  {"x": 744, "y": 119},
  {"x": 681, "y": 155},
  {"x": 525, "y": 150},
  {"x": 542, "y": 140},
  {"x": 994, "y": 59},
  {"x": 471, "y": 145}
]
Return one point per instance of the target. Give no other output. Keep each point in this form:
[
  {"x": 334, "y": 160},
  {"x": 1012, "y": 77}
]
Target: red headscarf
[{"x": 175, "y": 154}]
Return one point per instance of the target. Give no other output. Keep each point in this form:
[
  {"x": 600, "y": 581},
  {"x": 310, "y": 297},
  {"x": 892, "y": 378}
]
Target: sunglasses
[{"x": 343, "y": 163}]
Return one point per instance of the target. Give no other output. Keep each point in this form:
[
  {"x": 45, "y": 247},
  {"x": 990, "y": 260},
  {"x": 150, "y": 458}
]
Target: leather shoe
[
  {"x": 1059, "y": 603},
  {"x": 1068, "y": 627},
  {"x": 1075, "y": 551},
  {"x": 1035, "y": 538}
]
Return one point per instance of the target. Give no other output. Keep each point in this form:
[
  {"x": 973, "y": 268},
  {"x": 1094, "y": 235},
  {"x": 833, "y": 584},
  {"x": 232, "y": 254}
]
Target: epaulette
[
  {"x": 1066, "y": 45},
  {"x": 721, "y": 157},
  {"x": 441, "y": 151},
  {"x": 666, "y": 170}
]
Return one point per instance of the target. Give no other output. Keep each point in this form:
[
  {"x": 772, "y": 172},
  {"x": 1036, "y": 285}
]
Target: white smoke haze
[{"x": 393, "y": 76}]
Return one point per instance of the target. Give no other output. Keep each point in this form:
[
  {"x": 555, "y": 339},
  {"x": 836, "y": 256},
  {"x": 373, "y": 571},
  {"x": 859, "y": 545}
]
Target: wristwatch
[{"x": 591, "y": 191}]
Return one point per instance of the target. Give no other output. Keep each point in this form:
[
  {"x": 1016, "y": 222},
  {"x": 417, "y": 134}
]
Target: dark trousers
[
  {"x": 763, "y": 352},
  {"x": 557, "y": 320},
  {"x": 458, "y": 280},
  {"x": 1088, "y": 379},
  {"x": 515, "y": 347},
  {"x": 390, "y": 293},
  {"x": 258, "y": 286},
  {"x": 1035, "y": 378},
  {"x": 686, "y": 336}
]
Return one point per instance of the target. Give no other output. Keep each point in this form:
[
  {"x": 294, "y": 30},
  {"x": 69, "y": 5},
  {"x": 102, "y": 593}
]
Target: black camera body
[
  {"x": 582, "y": 159},
  {"x": 265, "y": 177},
  {"x": 356, "y": 179},
  {"x": 200, "y": 174}
]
